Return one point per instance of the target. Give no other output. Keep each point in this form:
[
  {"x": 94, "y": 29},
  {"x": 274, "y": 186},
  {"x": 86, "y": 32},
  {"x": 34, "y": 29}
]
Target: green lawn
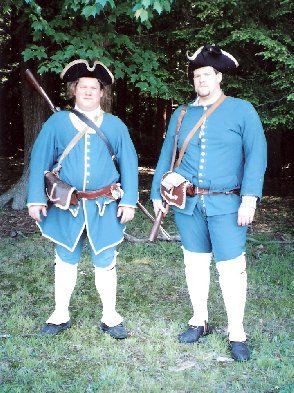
[{"x": 154, "y": 301}]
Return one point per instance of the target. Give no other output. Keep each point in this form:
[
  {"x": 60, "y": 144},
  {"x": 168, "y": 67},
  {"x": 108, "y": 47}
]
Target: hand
[
  {"x": 158, "y": 206},
  {"x": 126, "y": 213},
  {"x": 246, "y": 210},
  {"x": 245, "y": 215},
  {"x": 35, "y": 210}
]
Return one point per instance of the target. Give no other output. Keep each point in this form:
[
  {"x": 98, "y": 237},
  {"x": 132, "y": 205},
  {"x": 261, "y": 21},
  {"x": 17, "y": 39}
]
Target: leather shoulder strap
[
  {"x": 99, "y": 132},
  {"x": 179, "y": 123},
  {"x": 196, "y": 127},
  {"x": 68, "y": 148}
]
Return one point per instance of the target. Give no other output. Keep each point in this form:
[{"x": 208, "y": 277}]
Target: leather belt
[
  {"x": 106, "y": 191},
  {"x": 193, "y": 190}
]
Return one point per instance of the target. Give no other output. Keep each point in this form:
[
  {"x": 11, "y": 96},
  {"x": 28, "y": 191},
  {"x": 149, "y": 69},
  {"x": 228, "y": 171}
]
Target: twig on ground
[
  {"x": 176, "y": 238},
  {"x": 133, "y": 239},
  {"x": 251, "y": 239}
]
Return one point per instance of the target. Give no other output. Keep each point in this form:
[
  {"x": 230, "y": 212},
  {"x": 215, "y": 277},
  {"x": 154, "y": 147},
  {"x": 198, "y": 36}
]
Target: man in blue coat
[
  {"x": 88, "y": 168},
  {"x": 224, "y": 163}
]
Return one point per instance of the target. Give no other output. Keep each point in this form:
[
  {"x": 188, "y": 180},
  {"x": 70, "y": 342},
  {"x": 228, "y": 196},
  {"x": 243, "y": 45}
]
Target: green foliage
[
  {"x": 145, "y": 42},
  {"x": 79, "y": 29}
]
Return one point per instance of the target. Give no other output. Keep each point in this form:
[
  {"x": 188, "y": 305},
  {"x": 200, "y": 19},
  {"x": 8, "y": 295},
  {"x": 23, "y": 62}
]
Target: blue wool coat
[
  {"x": 230, "y": 154},
  {"x": 88, "y": 167}
]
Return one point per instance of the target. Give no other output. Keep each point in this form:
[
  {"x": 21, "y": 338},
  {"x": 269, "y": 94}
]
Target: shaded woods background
[{"x": 144, "y": 43}]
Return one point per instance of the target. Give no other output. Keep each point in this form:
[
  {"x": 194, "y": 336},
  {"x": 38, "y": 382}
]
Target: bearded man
[{"x": 224, "y": 165}]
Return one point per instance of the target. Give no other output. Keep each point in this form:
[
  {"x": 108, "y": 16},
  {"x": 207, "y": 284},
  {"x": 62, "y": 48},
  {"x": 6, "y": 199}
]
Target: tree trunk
[
  {"x": 107, "y": 99},
  {"x": 34, "y": 112},
  {"x": 148, "y": 125},
  {"x": 160, "y": 123},
  {"x": 135, "y": 117}
]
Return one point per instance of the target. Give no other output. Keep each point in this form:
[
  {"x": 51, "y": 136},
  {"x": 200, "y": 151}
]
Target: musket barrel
[{"x": 30, "y": 77}]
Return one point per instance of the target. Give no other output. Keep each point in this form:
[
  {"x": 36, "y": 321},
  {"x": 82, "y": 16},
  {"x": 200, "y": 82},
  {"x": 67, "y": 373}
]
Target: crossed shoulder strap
[
  {"x": 77, "y": 137},
  {"x": 98, "y": 130}
]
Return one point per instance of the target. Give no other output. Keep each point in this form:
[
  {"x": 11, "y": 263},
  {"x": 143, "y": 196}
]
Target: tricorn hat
[
  {"x": 81, "y": 69},
  {"x": 213, "y": 56}
]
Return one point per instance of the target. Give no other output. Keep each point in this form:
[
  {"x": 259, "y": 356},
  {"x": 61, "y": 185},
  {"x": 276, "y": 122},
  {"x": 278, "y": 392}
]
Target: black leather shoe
[
  {"x": 240, "y": 351},
  {"x": 118, "y": 332},
  {"x": 193, "y": 334},
  {"x": 51, "y": 329}
]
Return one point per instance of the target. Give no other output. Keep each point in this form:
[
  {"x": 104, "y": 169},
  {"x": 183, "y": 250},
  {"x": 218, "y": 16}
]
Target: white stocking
[
  {"x": 197, "y": 270},
  {"x": 106, "y": 281},
  {"x": 233, "y": 283},
  {"x": 65, "y": 281}
]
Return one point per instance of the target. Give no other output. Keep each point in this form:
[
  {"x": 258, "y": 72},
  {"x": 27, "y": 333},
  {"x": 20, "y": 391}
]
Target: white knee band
[
  {"x": 202, "y": 259},
  {"x": 232, "y": 266}
]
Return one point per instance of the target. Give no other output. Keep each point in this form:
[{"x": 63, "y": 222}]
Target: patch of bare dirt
[
  {"x": 16, "y": 223},
  {"x": 10, "y": 171}
]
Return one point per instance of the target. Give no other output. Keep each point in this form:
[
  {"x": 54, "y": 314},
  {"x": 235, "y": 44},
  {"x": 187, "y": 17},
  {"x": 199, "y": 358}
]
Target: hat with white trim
[
  {"x": 213, "y": 56},
  {"x": 81, "y": 69}
]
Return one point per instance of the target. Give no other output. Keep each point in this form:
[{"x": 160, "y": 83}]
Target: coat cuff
[
  {"x": 125, "y": 205},
  {"x": 36, "y": 204}
]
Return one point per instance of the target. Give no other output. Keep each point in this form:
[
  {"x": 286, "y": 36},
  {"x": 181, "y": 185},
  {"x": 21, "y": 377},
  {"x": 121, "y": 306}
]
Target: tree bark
[
  {"x": 107, "y": 99},
  {"x": 34, "y": 112},
  {"x": 160, "y": 123}
]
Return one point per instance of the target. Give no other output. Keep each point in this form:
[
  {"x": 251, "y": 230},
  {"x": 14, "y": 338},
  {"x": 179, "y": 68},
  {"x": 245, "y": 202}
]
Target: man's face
[
  {"x": 206, "y": 81},
  {"x": 88, "y": 94}
]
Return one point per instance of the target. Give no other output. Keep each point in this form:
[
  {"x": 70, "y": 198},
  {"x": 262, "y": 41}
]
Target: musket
[
  {"x": 160, "y": 215},
  {"x": 151, "y": 218},
  {"x": 30, "y": 77}
]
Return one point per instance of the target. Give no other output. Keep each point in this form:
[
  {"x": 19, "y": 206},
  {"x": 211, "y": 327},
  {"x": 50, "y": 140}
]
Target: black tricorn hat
[
  {"x": 213, "y": 56},
  {"x": 81, "y": 69}
]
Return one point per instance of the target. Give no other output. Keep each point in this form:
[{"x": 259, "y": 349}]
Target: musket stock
[
  {"x": 30, "y": 77},
  {"x": 157, "y": 222},
  {"x": 155, "y": 227},
  {"x": 165, "y": 234}
]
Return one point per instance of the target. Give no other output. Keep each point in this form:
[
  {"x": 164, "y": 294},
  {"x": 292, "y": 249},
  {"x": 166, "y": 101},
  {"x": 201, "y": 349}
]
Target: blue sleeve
[
  {"x": 42, "y": 159},
  {"x": 255, "y": 154},
  {"x": 165, "y": 157},
  {"x": 128, "y": 164}
]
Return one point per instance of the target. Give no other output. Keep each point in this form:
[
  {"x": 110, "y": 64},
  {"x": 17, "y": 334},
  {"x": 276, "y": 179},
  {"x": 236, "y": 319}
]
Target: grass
[{"x": 153, "y": 298}]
